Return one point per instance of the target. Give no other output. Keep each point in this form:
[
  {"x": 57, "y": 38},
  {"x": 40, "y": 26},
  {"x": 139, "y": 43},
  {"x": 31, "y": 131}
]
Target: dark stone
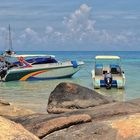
[{"x": 68, "y": 97}]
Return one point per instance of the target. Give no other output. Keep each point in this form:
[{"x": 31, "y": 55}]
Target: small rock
[
  {"x": 10, "y": 110},
  {"x": 4, "y": 103}
]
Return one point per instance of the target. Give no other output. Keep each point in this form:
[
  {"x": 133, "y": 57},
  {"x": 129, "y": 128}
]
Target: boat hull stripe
[{"x": 24, "y": 78}]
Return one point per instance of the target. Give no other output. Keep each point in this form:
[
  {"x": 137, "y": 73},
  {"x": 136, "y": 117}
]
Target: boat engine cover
[{"x": 108, "y": 80}]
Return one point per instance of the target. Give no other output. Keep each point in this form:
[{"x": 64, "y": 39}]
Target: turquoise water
[{"x": 34, "y": 94}]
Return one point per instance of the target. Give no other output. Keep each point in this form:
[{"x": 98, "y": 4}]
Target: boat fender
[{"x": 74, "y": 63}]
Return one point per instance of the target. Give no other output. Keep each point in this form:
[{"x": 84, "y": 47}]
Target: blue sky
[{"x": 112, "y": 25}]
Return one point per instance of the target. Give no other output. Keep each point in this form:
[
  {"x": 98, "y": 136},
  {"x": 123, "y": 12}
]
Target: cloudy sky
[{"x": 71, "y": 24}]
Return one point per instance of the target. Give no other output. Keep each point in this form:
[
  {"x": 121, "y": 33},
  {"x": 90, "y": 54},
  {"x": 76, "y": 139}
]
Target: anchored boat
[
  {"x": 107, "y": 72},
  {"x": 36, "y": 67}
]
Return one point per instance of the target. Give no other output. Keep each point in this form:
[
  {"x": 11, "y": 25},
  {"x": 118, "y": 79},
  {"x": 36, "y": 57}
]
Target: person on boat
[
  {"x": 5, "y": 63},
  {"x": 3, "y": 68},
  {"x": 9, "y": 53},
  {"x": 23, "y": 62}
]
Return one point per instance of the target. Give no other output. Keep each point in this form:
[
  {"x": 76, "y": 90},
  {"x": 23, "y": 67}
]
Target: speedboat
[
  {"x": 36, "y": 67},
  {"x": 107, "y": 72}
]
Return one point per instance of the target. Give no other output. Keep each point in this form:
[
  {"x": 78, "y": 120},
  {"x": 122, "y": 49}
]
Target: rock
[
  {"x": 6, "y": 109},
  {"x": 4, "y": 103},
  {"x": 89, "y": 131},
  {"x": 11, "y": 131},
  {"x": 111, "y": 110},
  {"x": 127, "y": 127},
  {"x": 68, "y": 97},
  {"x": 103, "y": 123},
  {"x": 122, "y": 128},
  {"x": 42, "y": 124},
  {"x": 10, "y": 110}
]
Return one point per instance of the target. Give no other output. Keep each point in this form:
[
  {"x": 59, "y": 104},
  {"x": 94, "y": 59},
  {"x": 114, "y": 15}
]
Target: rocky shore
[{"x": 73, "y": 113}]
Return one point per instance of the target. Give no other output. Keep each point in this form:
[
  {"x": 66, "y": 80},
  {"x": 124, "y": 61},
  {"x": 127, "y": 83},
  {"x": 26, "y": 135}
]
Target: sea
[{"x": 34, "y": 94}]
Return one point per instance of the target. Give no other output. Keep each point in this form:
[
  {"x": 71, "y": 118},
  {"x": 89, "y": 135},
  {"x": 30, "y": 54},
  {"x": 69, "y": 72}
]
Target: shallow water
[{"x": 34, "y": 94}]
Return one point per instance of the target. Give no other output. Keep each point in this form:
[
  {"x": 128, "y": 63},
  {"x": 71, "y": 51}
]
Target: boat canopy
[
  {"x": 32, "y": 55},
  {"x": 107, "y": 57}
]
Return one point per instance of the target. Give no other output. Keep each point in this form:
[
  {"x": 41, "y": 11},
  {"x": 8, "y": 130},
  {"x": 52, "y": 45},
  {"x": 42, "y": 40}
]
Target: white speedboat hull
[{"x": 44, "y": 71}]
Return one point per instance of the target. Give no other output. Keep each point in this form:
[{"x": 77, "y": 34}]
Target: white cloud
[
  {"x": 49, "y": 30},
  {"x": 81, "y": 27},
  {"x": 78, "y": 27},
  {"x": 80, "y": 20},
  {"x": 30, "y": 35}
]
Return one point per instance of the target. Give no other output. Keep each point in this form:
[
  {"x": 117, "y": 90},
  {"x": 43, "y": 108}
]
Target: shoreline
[{"x": 72, "y": 107}]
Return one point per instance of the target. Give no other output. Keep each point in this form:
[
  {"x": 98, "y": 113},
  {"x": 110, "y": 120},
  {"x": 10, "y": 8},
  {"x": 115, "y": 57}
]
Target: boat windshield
[
  {"x": 30, "y": 60},
  {"x": 41, "y": 60},
  {"x": 107, "y": 61}
]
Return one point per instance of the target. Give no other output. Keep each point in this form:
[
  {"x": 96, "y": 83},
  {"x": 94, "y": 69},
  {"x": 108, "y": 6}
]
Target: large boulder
[
  {"x": 68, "y": 97},
  {"x": 11, "y": 131},
  {"x": 122, "y": 128},
  {"x": 43, "y": 124},
  {"x": 104, "y": 121},
  {"x": 7, "y": 109},
  {"x": 111, "y": 110}
]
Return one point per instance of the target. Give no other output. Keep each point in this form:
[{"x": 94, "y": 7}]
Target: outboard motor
[{"x": 108, "y": 80}]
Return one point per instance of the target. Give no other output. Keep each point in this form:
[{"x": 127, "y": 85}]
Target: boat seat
[
  {"x": 98, "y": 69},
  {"x": 115, "y": 69}
]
